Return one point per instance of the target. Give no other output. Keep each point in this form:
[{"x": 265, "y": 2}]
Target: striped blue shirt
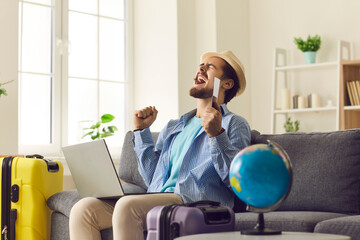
[
  {"x": 181, "y": 144},
  {"x": 204, "y": 172}
]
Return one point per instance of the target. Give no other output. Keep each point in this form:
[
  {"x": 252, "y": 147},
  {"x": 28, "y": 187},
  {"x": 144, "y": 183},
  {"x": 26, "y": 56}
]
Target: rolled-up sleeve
[
  {"x": 225, "y": 146},
  {"x": 147, "y": 156}
]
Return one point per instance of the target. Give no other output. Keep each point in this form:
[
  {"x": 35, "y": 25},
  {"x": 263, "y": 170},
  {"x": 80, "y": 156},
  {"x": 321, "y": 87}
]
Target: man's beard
[{"x": 201, "y": 93}]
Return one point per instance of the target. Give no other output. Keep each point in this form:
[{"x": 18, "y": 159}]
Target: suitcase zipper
[
  {"x": 165, "y": 219},
  {"x": 163, "y": 222},
  {"x": 4, "y": 232},
  {"x": 5, "y": 197}
]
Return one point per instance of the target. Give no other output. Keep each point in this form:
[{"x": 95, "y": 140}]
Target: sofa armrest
[{"x": 63, "y": 201}]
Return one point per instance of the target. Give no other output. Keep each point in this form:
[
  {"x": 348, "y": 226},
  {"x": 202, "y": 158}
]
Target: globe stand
[{"x": 260, "y": 228}]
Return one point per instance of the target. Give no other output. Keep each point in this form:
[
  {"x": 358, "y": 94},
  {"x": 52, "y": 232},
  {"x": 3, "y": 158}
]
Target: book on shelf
[
  {"x": 350, "y": 93},
  {"x": 353, "y": 90},
  {"x": 357, "y": 83},
  {"x": 357, "y": 94}
]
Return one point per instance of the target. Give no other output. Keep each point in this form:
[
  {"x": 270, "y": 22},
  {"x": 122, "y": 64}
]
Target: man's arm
[
  {"x": 225, "y": 143},
  {"x": 146, "y": 153},
  {"x": 225, "y": 146},
  {"x": 143, "y": 143}
]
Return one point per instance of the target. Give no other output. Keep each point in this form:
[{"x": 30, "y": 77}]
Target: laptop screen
[{"x": 93, "y": 170}]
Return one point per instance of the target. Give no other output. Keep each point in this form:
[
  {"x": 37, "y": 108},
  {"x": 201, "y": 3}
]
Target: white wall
[
  {"x": 275, "y": 23},
  {"x": 155, "y": 58},
  {"x": 8, "y": 71},
  {"x": 186, "y": 50},
  {"x": 232, "y": 33},
  {"x": 196, "y": 35}
]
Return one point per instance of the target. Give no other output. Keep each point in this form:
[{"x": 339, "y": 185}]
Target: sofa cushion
[
  {"x": 284, "y": 221},
  {"x": 326, "y": 169},
  {"x": 128, "y": 168},
  {"x": 349, "y": 226}
]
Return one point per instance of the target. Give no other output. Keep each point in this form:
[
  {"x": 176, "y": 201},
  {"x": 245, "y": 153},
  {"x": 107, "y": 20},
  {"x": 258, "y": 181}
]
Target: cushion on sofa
[
  {"x": 349, "y": 226},
  {"x": 128, "y": 168},
  {"x": 285, "y": 221},
  {"x": 326, "y": 169}
]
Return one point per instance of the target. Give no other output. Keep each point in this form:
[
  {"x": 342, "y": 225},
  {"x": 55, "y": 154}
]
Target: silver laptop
[{"x": 93, "y": 170}]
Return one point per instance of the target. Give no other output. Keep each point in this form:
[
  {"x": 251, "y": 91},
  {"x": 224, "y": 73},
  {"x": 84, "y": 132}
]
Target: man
[{"x": 189, "y": 162}]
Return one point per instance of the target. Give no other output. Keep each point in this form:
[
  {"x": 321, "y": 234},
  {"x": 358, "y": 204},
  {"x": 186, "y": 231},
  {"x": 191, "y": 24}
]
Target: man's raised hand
[
  {"x": 211, "y": 120},
  {"x": 145, "y": 117}
]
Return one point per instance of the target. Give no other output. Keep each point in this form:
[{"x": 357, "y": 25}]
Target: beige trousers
[{"x": 127, "y": 216}]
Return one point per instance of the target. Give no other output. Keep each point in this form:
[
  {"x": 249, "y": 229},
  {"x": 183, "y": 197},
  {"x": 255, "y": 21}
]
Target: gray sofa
[{"x": 325, "y": 195}]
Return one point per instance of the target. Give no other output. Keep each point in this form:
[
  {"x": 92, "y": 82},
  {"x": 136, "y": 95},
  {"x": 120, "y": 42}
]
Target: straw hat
[{"x": 234, "y": 62}]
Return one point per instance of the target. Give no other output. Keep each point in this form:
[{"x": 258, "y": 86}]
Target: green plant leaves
[
  {"x": 89, "y": 133},
  {"x": 3, "y": 92},
  {"x": 291, "y": 126},
  {"x": 312, "y": 44},
  {"x": 106, "y": 134},
  {"x": 97, "y": 125},
  {"x": 107, "y": 131},
  {"x": 112, "y": 129},
  {"x": 96, "y": 136},
  {"x": 107, "y": 118}
]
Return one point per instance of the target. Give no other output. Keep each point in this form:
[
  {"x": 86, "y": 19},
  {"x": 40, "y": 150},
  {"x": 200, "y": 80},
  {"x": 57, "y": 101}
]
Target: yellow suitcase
[{"x": 26, "y": 184}]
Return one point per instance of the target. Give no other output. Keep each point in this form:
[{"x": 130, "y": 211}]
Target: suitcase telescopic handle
[
  {"x": 51, "y": 165},
  {"x": 37, "y": 156},
  {"x": 202, "y": 202}
]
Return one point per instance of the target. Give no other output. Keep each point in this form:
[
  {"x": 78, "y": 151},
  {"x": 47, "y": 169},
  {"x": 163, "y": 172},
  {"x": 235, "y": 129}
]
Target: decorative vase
[{"x": 310, "y": 57}]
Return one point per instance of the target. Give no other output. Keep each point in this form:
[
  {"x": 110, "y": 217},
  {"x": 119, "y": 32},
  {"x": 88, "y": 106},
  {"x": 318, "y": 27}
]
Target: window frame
[
  {"x": 52, "y": 147},
  {"x": 60, "y": 45}
]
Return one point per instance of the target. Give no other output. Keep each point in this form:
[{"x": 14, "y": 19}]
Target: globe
[{"x": 261, "y": 176}]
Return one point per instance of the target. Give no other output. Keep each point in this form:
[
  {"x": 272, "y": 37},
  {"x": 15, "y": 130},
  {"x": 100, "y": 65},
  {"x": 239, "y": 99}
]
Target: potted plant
[
  {"x": 309, "y": 47},
  {"x": 96, "y": 131},
  {"x": 291, "y": 126},
  {"x": 3, "y": 90}
]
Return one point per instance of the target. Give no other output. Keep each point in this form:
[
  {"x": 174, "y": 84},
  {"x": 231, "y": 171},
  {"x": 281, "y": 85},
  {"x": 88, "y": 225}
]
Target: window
[
  {"x": 36, "y": 72},
  {"x": 72, "y": 69}
]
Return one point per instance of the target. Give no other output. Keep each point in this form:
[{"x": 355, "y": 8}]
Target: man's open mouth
[{"x": 201, "y": 79}]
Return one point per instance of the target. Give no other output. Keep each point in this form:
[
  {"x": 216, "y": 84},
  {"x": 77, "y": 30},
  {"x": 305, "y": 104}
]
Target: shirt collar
[
  {"x": 224, "y": 109},
  {"x": 187, "y": 116}
]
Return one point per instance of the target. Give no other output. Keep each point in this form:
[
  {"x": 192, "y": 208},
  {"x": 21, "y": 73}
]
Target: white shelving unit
[
  {"x": 306, "y": 66},
  {"x": 281, "y": 67},
  {"x": 349, "y": 114},
  {"x": 321, "y": 109},
  {"x": 352, "y": 107}
]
